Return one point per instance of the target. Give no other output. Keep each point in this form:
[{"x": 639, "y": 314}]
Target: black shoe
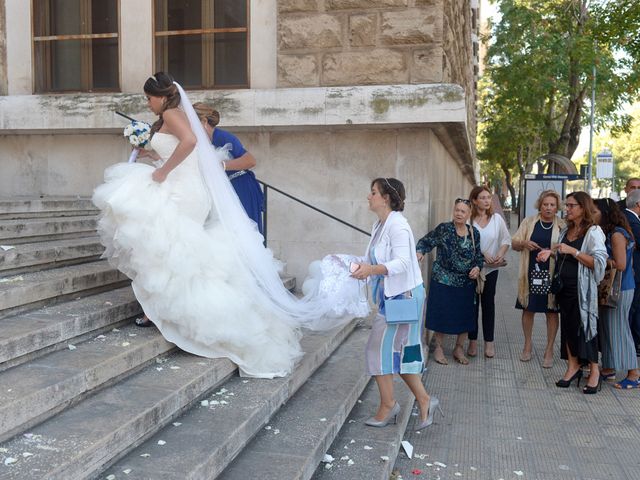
[
  {"x": 589, "y": 390},
  {"x": 562, "y": 383}
]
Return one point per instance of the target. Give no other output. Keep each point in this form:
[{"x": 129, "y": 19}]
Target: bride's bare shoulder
[{"x": 175, "y": 115}]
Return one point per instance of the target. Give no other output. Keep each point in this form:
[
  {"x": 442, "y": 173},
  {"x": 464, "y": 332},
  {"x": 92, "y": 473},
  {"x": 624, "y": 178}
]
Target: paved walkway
[{"x": 505, "y": 419}]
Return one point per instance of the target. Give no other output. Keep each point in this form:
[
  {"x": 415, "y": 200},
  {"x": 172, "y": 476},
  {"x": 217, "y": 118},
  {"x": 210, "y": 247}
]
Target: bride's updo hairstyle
[
  {"x": 161, "y": 85},
  {"x": 208, "y": 113},
  {"x": 395, "y": 189}
]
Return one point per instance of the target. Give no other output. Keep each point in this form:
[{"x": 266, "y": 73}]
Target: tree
[{"x": 539, "y": 74}]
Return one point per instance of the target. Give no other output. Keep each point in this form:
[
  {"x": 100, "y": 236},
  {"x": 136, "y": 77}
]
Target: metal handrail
[{"x": 288, "y": 195}]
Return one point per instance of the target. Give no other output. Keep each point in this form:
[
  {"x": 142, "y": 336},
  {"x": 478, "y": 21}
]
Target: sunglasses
[{"x": 463, "y": 200}]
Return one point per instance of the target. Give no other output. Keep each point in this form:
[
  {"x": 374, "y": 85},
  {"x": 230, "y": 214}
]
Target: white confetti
[
  {"x": 10, "y": 390},
  {"x": 384, "y": 458},
  {"x": 14, "y": 279},
  {"x": 159, "y": 369},
  {"x": 352, "y": 421},
  {"x": 127, "y": 471},
  {"x": 145, "y": 455},
  {"x": 473, "y": 469},
  {"x": 100, "y": 337},
  {"x": 564, "y": 467},
  {"x": 323, "y": 419},
  {"x": 367, "y": 447},
  {"x": 10, "y": 460},
  {"x": 71, "y": 347},
  {"x": 108, "y": 303},
  {"x": 268, "y": 427},
  {"x": 174, "y": 367},
  {"x": 111, "y": 477},
  {"x": 350, "y": 462},
  {"x": 352, "y": 441},
  {"x": 276, "y": 431},
  {"x": 359, "y": 401},
  {"x": 115, "y": 330},
  {"x": 161, "y": 442},
  {"x": 519, "y": 438},
  {"x": 421, "y": 456},
  {"x": 439, "y": 464},
  {"x": 346, "y": 447},
  {"x": 27, "y": 454},
  {"x": 204, "y": 403},
  {"x": 6, "y": 247},
  {"x": 346, "y": 457},
  {"x": 133, "y": 334},
  {"x": 224, "y": 402},
  {"x": 458, "y": 474},
  {"x": 214, "y": 402},
  {"x": 327, "y": 458},
  {"x": 125, "y": 344},
  {"x": 429, "y": 464},
  {"x": 176, "y": 424},
  {"x": 222, "y": 391},
  {"x": 408, "y": 448},
  {"x": 3, "y": 450},
  {"x": 245, "y": 381},
  {"x": 328, "y": 466},
  {"x": 518, "y": 472}
]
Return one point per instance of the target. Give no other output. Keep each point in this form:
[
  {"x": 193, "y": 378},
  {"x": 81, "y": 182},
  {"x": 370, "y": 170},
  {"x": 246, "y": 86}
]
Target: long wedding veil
[{"x": 311, "y": 311}]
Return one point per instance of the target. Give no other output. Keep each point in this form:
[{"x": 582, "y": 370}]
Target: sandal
[
  {"x": 608, "y": 376},
  {"x": 461, "y": 359},
  {"x": 143, "y": 322},
  {"x": 626, "y": 384},
  {"x": 472, "y": 351},
  {"x": 525, "y": 356},
  {"x": 441, "y": 359}
]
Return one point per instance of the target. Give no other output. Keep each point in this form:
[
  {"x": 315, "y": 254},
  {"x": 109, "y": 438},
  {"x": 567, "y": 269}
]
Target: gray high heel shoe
[
  {"x": 393, "y": 414},
  {"x": 434, "y": 404}
]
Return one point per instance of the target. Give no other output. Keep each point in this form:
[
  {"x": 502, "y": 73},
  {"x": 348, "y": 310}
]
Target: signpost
[{"x": 534, "y": 185}]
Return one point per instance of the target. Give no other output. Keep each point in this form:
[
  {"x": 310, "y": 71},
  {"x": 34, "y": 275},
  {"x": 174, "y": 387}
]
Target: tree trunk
[{"x": 508, "y": 179}]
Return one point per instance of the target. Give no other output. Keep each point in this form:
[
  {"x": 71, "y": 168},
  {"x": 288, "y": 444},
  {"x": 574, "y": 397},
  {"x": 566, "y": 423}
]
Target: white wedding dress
[{"x": 198, "y": 267}]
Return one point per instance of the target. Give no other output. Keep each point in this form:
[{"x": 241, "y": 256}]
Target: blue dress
[
  {"x": 244, "y": 181},
  {"x": 451, "y": 305}
]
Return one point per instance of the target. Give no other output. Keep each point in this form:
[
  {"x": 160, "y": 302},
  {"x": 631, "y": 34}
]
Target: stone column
[
  {"x": 3, "y": 50},
  {"x": 136, "y": 44},
  {"x": 263, "y": 52}
]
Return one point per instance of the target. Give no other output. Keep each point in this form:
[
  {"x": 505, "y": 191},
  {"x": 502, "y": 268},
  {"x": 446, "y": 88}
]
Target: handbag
[
  {"x": 609, "y": 288},
  {"x": 401, "y": 310},
  {"x": 481, "y": 278},
  {"x": 539, "y": 282},
  {"x": 556, "y": 281}
]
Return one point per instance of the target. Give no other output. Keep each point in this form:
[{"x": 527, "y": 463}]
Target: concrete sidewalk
[{"x": 505, "y": 419}]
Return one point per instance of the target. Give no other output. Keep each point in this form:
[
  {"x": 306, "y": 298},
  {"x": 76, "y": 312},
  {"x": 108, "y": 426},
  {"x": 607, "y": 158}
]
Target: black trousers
[{"x": 487, "y": 302}]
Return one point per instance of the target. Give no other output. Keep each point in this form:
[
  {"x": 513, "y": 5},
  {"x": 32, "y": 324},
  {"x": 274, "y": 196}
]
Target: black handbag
[{"x": 556, "y": 281}]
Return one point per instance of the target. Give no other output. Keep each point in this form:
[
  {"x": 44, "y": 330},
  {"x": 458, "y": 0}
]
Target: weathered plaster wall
[{"x": 3, "y": 50}]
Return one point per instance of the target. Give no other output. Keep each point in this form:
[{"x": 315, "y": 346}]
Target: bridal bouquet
[{"x": 138, "y": 134}]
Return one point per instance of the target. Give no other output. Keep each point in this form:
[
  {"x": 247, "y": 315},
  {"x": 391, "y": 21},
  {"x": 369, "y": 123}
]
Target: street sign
[{"x": 604, "y": 165}]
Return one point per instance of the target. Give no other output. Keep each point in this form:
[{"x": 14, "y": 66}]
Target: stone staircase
[{"x": 86, "y": 394}]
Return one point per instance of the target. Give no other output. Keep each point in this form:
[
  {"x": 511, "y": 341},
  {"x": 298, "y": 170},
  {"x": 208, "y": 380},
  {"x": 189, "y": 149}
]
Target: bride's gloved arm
[{"x": 177, "y": 124}]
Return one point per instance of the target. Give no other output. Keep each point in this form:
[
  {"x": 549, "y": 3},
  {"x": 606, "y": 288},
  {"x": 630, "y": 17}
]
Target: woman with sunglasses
[
  {"x": 616, "y": 341},
  {"x": 451, "y": 305},
  {"x": 581, "y": 258}
]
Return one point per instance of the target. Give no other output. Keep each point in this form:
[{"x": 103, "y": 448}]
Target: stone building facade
[{"x": 339, "y": 92}]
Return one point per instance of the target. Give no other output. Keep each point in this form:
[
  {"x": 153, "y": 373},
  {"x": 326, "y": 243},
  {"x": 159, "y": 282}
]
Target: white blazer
[{"x": 395, "y": 248}]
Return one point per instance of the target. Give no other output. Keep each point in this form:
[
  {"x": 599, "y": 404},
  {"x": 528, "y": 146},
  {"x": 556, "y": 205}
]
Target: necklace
[{"x": 545, "y": 228}]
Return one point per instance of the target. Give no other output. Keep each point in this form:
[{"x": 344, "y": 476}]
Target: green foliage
[{"x": 537, "y": 81}]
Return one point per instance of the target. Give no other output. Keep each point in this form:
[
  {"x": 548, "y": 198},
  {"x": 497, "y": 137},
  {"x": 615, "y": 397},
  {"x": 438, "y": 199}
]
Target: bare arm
[
  {"x": 177, "y": 124},
  {"x": 244, "y": 162},
  {"x": 619, "y": 249}
]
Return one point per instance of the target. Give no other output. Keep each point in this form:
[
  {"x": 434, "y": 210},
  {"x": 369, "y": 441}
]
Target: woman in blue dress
[
  {"x": 239, "y": 167},
  {"x": 451, "y": 305}
]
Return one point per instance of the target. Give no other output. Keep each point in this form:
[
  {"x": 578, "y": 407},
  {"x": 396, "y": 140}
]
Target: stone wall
[
  {"x": 359, "y": 42},
  {"x": 3, "y": 50},
  {"x": 457, "y": 46}
]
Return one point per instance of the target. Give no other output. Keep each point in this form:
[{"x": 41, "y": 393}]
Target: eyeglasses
[
  {"x": 463, "y": 200},
  {"x": 571, "y": 205}
]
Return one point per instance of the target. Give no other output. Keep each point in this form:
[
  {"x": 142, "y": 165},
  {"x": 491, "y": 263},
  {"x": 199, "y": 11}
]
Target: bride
[{"x": 196, "y": 261}]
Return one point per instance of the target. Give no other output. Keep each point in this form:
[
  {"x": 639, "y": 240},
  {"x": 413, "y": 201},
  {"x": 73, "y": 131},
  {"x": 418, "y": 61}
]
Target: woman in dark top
[
  {"x": 538, "y": 232},
  {"x": 451, "y": 305},
  {"x": 238, "y": 167},
  {"x": 580, "y": 260}
]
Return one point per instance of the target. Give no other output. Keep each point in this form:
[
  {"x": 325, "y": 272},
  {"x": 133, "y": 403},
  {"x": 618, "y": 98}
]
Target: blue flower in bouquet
[{"x": 138, "y": 134}]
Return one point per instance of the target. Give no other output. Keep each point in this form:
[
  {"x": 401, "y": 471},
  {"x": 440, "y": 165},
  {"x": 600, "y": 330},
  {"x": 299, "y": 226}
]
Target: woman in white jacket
[{"x": 391, "y": 264}]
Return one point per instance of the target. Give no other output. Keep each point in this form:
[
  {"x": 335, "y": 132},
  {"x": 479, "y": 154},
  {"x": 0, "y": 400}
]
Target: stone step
[
  {"x": 37, "y": 390},
  {"x": 29, "y": 207},
  {"x": 210, "y": 436},
  {"x": 29, "y": 230},
  {"x": 40, "y": 255},
  {"x": 375, "y": 462},
  {"x": 308, "y": 423},
  {"x": 32, "y": 290},
  {"x": 27, "y": 335},
  {"x": 77, "y": 442}
]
